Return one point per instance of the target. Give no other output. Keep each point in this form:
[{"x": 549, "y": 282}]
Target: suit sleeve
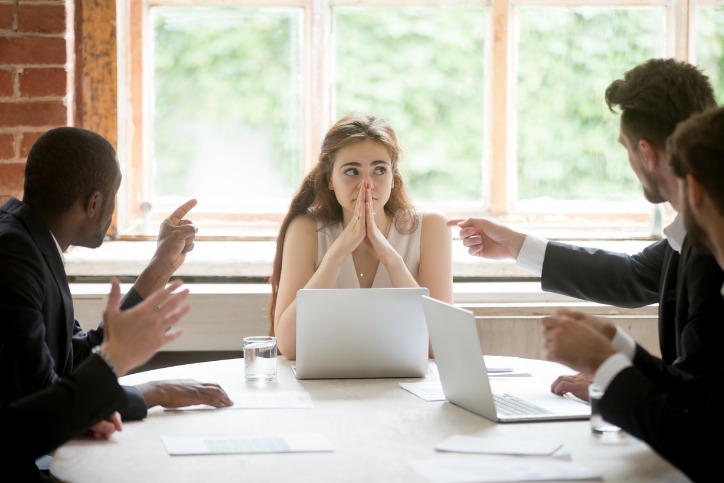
[
  {"x": 41, "y": 422},
  {"x": 672, "y": 419},
  {"x": 602, "y": 276}
]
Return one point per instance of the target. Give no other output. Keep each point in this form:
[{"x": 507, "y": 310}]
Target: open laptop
[
  {"x": 464, "y": 377},
  {"x": 361, "y": 333}
]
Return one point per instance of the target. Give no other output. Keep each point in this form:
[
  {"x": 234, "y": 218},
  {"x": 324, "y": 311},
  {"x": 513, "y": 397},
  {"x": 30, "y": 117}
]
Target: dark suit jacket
[
  {"x": 41, "y": 422},
  {"x": 687, "y": 288},
  {"x": 49, "y": 343},
  {"x": 680, "y": 419}
]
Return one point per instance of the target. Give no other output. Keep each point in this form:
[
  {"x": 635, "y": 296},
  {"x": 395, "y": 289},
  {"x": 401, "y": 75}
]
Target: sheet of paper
[
  {"x": 261, "y": 400},
  {"x": 502, "y": 374},
  {"x": 246, "y": 443},
  {"x": 431, "y": 389},
  {"x": 496, "y": 369},
  {"x": 459, "y": 443},
  {"x": 427, "y": 390},
  {"x": 502, "y": 469}
]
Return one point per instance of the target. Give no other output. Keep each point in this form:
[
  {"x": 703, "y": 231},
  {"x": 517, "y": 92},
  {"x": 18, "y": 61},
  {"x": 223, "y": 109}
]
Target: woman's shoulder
[
  {"x": 431, "y": 215},
  {"x": 302, "y": 224}
]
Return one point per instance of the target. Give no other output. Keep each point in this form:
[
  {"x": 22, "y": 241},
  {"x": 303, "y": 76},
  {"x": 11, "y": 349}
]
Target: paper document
[
  {"x": 261, "y": 400},
  {"x": 431, "y": 389},
  {"x": 246, "y": 443},
  {"x": 459, "y": 443},
  {"x": 427, "y": 390},
  {"x": 502, "y": 469}
]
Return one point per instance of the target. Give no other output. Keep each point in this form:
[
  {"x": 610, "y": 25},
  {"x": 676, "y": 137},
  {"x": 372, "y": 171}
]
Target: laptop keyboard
[{"x": 509, "y": 405}]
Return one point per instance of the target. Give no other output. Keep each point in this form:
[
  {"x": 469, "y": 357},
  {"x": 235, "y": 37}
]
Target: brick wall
[{"x": 36, "y": 69}]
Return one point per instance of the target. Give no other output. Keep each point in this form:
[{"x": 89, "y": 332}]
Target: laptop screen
[{"x": 360, "y": 333}]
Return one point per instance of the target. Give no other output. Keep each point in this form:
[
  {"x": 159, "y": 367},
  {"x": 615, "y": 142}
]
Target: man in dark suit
[
  {"x": 653, "y": 98},
  {"x": 42, "y": 421},
  {"x": 673, "y": 416},
  {"x": 71, "y": 179}
]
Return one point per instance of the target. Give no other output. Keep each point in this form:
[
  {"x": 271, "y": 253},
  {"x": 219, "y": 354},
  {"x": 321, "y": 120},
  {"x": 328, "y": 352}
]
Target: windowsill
[{"x": 252, "y": 260}]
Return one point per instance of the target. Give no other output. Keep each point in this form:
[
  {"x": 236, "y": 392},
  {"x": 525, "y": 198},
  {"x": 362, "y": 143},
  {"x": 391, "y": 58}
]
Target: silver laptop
[
  {"x": 361, "y": 333},
  {"x": 464, "y": 376}
]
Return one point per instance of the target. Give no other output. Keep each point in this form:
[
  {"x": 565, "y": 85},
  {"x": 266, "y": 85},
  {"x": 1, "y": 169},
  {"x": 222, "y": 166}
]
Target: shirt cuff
[
  {"x": 624, "y": 343},
  {"x": 610, "y": 369},
  {"x": 532, "y": 253}
]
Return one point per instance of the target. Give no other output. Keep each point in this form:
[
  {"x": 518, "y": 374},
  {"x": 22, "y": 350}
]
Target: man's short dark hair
[
  {"x": 66, "y": 164},
  {"x": 697, "y": 148},
  {"x": 655, "y": 96}
]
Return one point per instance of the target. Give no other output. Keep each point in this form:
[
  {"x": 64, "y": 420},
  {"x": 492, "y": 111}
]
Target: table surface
[{"x": 374, "y": 425}]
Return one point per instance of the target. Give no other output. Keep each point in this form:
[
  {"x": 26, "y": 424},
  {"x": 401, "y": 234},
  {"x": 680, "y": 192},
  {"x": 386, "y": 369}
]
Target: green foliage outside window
[
  {"x": 227, "y": 89},
  {"x": 567, "y": 138},
  {"x": 422, "y": 70},
  {"x": 222, "y": 75},
  {"x": 710, "y": 46}
]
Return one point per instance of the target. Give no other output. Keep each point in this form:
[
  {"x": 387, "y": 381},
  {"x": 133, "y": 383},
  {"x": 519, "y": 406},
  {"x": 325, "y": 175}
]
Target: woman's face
[{"x": 364, "y": 160}]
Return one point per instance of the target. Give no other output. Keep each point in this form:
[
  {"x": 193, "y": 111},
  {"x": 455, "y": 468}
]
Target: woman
[{"x": 351, "y": 224}]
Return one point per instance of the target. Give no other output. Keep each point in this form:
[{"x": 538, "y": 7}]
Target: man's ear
[
  {"x": 650, "y": 154},
  {"x": 93, "y": 203},
  {"x": 696, "y": 192}
]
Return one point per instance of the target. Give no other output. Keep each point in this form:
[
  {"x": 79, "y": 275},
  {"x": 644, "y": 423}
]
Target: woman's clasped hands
[{"x": 363, "y": 226}]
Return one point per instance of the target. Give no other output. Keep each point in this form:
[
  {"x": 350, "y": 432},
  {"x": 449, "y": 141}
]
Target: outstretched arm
[{"x": 175, "y": 240}]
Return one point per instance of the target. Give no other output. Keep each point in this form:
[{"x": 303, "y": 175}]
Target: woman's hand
[
  {"x": 374, "y": 238},
  {"x": 355, "y": 231}
]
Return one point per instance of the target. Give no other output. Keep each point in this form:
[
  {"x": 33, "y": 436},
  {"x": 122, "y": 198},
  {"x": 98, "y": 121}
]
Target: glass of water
[
  {"x": 260, "y": 358},
  {"x": 599, "y": 426}
]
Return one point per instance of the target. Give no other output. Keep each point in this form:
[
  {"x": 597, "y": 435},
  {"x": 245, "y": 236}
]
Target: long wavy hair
[{"x": 315, "y": 198}]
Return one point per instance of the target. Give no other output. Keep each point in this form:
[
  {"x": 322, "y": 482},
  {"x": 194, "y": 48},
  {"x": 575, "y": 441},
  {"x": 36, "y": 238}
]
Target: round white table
[{"x": 374, "y": 425}]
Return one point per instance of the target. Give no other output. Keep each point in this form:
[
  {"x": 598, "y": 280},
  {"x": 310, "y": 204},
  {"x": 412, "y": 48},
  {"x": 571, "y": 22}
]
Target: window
[
  {"x": 498, "y": 104},
  {"x": 708, "y": 41}
]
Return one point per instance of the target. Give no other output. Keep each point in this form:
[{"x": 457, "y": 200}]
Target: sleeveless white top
[{"x": 406, "y": 244}]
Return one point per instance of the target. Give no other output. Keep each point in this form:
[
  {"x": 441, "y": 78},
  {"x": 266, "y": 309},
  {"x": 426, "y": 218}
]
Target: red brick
[
  {"x": 43, "y": 82},
  {"x": 27, "y": 141},
  {"x": 6, "y": 83},
  {"x": 3, "y": 199},
  {"x": 46, "y": 19},
  {"x": 13, "y": 114},
  {"x": 12, "y": 176},
  {"x": 6, "y": 16},
  {"x": 7, "y": 146},
  {"x": 32, "y": 50}
]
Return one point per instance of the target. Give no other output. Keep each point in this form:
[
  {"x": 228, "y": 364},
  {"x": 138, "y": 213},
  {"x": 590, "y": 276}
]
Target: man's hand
[
  {"x": 133, "y": 336},
  {"x": 179, "y": 393},
  {"x": 487, "y": 239},
  {"x": 105, "y": 429},
  {"x": 602, "y": 325},
  {"x": 175, "y": 240},
  {"x": 572, "y": 338},
  {"x": 176, "y": 237},
  {"x": 576, "y": 385}
]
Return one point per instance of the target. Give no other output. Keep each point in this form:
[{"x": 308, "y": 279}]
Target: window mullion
[
  {"x": 679, "y": 21},
  {"x": 316, "y": 99},
  {"x": 498, "y": 179}
]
